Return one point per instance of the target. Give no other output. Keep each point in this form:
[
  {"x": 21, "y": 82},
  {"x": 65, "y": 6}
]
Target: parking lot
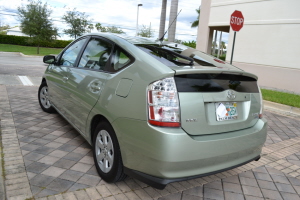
[{"x": 45, "y": 158}]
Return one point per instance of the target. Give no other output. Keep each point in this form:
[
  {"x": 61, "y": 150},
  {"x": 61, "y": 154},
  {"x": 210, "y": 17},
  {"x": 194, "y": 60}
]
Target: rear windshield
[
  {"x": 171, "y": 56},
  {"x": 215, "y": 83}
]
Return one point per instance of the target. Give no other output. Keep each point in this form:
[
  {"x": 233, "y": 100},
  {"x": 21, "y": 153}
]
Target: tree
[
  {"x": 222, "y": 47},
  {"x": 98, "y": 27},
  {"x": 196, "y": 22},
  {"x": 3, "y": 28},
  {"x": 77, "y": 21},
  {"x": 114, "y": 29},
  {"x": 36, "y": 22},
  {"x": 91, "y": 27},
  {"x": 190, "y": 43},
  {"x": 145, "y": 32},
  {"x": 111, "y": 29}
]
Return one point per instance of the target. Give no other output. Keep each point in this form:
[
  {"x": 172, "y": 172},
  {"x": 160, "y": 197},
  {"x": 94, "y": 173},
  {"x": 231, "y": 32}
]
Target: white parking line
[{"x": 25, "y": 80}]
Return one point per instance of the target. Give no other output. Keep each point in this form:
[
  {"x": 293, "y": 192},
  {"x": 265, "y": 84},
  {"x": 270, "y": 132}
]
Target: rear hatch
[{"x": 216, "y": 101}]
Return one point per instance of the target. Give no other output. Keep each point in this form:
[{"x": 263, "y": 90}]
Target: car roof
[{"x": 130, "y": 39}]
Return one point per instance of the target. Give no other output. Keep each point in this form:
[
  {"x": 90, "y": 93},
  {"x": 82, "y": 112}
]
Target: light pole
[{"x": 137, "y": 19}]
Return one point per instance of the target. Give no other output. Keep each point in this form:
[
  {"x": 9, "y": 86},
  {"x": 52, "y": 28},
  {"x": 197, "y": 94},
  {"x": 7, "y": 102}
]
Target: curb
[
  {"x": 281, "y": 109},
  {"x": 2, "y": 188},
  {"x": 21, "y": 54},
  {"x": 30, "y": 56}
]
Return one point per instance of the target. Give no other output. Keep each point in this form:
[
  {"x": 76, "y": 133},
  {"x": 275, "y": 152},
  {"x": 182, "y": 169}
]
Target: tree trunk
[{"x": 162, "y": 18}]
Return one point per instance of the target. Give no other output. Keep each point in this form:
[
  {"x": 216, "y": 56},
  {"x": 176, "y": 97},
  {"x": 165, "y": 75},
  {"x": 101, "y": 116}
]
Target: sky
[{"x": 120, "y": 13}]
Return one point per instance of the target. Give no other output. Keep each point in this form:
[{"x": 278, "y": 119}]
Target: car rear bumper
[
  {"x": 171, "y": 154},
  {"x": 160, "y": 183}
]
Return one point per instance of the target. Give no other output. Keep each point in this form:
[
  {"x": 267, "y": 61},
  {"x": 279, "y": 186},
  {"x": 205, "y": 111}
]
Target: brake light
[{"x": 163, "y": 103}]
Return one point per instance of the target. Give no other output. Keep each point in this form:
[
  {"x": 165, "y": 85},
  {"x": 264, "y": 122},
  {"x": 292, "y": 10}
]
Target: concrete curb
[
  {"x": 2, "y": 188},
  {"x": 20, "y": 54},
  {"x": 30, "y": 56},
  {"x": 281, "y": 109}
]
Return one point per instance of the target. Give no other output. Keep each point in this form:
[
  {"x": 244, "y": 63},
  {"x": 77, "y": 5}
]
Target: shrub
[
  {"x": 190, "y": 44},
  {"x": 27, "y": 41}
]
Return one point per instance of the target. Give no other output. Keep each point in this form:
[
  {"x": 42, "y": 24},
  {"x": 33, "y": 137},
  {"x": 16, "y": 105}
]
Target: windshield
[{"x": 172, "y": 55}]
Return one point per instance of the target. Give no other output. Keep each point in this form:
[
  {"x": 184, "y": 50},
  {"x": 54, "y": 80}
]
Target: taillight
[
  {"x": 261, "y": 104},
  {"x": 163, "y": 104}
]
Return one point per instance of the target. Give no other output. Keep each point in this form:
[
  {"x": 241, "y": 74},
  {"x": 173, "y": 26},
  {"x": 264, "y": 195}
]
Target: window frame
[
  {"x": 79, "y": 54},
  {"x": 109, "y": 59},
  {"x": 131, "y": 59},
  {"x": 109, "y": 62}
]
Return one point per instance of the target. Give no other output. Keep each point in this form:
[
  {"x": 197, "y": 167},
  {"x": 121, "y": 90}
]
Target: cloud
[{"x": 121, "y": 13}]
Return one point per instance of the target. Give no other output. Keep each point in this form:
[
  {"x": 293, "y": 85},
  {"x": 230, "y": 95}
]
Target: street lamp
[{"x": 137, "y": 19}]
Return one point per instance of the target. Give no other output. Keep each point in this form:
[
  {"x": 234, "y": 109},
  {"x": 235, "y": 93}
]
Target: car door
[
  {"x": 85, "y": 81},
  {"x": 58, "y": 74}
]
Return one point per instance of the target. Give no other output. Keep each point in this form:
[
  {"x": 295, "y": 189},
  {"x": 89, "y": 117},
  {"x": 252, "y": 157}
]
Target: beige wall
[{"x": 270, "y": 36}]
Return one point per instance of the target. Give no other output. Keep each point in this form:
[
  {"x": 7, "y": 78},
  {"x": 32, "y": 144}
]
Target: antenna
[{"x": 162, "y": 38}]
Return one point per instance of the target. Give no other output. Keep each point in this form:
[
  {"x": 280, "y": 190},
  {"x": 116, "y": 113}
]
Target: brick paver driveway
[{"x": 46, "y": 158}]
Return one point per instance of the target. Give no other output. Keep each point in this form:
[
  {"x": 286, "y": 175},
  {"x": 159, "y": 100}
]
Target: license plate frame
[{"x": 231, "y": 112}]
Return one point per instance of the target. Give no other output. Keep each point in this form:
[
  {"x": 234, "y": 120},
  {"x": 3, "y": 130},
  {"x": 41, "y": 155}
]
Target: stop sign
[{"x": 236, "y": 20}]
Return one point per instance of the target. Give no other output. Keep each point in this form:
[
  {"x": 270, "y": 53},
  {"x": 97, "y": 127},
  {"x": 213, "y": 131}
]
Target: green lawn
[
  {"x": 28, "y": 50},
  {"x": 281, "y": 97}
]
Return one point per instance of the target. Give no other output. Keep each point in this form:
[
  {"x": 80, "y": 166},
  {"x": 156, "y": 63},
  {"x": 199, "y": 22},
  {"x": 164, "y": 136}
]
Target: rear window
[
  {"x": 171, "y": 56},
  {"x": 215, "y": 83}
]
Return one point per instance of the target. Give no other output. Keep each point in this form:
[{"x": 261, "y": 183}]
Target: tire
[
  {"x": 107, "y": 155},
  {"x": 43, "y": 98}
]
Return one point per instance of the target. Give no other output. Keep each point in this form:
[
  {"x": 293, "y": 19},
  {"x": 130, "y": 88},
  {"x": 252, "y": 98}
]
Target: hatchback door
[{"x": 217, "y": 102}]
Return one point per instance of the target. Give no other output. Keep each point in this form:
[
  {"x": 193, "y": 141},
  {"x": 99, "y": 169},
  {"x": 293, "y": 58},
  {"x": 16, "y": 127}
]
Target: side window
[
  {"x": 96, "y": 54},
  {"x": 69, "y": 56},
  {"x": 120, "y": 60}
]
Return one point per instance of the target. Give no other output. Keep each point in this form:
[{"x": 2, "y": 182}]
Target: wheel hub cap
[
  {"x": 104, "y": 151},
  {"x": 44, "y": 99}
]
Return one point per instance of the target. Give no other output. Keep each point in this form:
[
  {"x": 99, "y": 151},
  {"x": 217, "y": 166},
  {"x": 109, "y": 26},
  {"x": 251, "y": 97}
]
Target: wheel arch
[
  {"x": 94, "y": 122},
  {"x": 43, "y": 80}
]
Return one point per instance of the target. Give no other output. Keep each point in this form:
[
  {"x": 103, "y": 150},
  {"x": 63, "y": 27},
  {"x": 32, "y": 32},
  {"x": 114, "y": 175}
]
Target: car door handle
[
  {"x": 65, "y": 79},
  {"x": 97, "y": 88}
]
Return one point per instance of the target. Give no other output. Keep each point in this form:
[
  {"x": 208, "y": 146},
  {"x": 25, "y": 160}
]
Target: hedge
[{"x": 27, "y": 41}]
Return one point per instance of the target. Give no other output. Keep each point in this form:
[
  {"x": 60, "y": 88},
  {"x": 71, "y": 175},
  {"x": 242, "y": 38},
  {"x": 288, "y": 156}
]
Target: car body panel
[
  {"x": 197, "y": 147},
  {"x": 172, "y": 153},
  {"x": 55, "y": 79},
  {"x": 113, "y": 106},
  {"x": 124, "y": 87},
  {"x": 202, "y": 109},
  {"x": 84, "y": 89}
]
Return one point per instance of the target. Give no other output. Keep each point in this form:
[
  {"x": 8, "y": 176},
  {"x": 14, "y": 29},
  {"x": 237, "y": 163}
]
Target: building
[
  {"x": 267, "y": 45},
  {"x": 15, "y": 31}
]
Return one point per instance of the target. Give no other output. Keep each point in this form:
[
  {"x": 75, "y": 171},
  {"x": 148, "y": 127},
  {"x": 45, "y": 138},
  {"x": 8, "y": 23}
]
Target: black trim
[{"x": 160, "y": 183}]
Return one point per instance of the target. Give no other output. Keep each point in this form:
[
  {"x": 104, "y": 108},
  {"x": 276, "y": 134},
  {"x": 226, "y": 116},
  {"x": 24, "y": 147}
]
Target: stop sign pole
[{"x": 236, "y": 23}]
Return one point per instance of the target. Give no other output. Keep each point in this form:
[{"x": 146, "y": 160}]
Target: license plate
[{"x": 226, "y": 111}]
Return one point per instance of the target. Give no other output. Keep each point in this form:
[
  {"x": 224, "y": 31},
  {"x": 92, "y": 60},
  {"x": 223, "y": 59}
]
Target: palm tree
[
  {"x": 196, "y": 22},
  {"x": 98, "y": 27},
  {"x": 91, "y": 27},
  {"x": 223, "y": 46}
]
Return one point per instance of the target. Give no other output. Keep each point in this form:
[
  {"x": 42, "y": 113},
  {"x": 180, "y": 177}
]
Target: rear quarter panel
[{"x": 142, "y": 72}]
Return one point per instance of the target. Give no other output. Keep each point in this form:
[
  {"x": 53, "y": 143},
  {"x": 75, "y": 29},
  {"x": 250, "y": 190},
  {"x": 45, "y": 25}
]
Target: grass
[
  {"x": 28, "y": 50},
  {"x": 281, "y": 97}
]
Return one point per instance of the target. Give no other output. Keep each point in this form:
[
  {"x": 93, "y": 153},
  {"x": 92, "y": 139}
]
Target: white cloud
[{"x": 121, "y": 13}]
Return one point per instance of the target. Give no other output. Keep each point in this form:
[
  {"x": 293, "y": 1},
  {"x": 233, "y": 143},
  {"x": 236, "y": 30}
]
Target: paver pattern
[{"x": 45, "y": 156}]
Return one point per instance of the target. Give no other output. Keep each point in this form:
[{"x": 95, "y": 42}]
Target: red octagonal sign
[{"x": 236, "y": 20}]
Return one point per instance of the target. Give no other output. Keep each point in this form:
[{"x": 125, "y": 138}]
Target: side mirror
[{"x": 49, "y": 59}]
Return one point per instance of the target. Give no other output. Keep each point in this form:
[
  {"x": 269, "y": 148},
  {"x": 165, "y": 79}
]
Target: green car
[{"x": 159, "y": 112}]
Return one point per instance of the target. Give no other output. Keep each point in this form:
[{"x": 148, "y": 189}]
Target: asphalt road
[{"x": 16, "y": 69}]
